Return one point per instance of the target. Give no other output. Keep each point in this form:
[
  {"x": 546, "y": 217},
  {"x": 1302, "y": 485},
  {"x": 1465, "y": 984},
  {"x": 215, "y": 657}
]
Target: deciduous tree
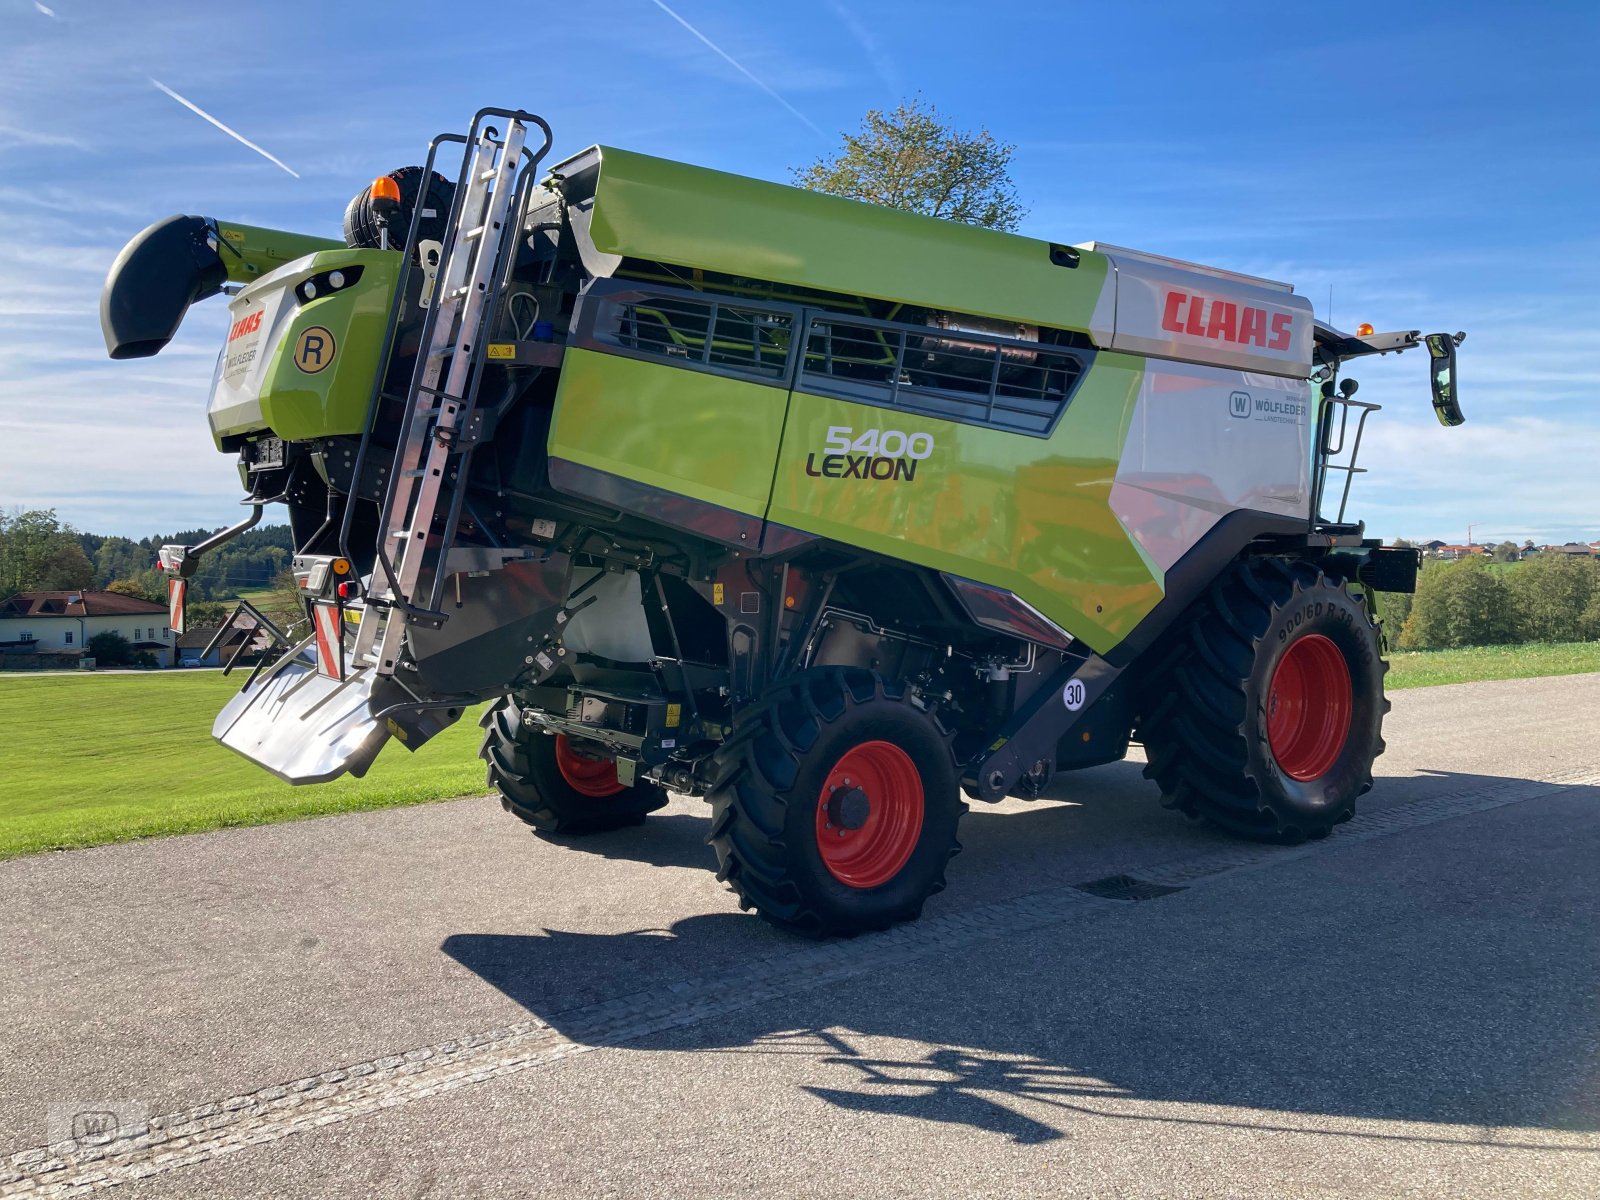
[{"x": 914, "y": 159}]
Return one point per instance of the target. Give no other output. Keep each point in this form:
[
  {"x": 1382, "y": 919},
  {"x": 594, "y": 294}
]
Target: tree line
[
  {"x": 1547, "y": 598},
  {"x": 41, "y": 553}
]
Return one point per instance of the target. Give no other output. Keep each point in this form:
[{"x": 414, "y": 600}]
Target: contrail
[
  {"x": 234, "y": 134},
  {"x": 737, "y": 66}
]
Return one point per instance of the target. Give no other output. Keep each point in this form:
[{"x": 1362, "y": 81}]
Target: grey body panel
[{"x": 302, "y": 726}]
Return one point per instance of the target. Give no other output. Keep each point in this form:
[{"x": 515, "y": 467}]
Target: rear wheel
[
  {"x": 835, "y": 804},
  {"x": 1266, "y": 711},
  {"x": 556, "y": 784}
]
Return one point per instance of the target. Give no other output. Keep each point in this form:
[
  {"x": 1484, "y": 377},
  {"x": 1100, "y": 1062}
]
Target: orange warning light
[
  {"x": 1363, "y": 330},
  {"x": 385, "y": 188}
]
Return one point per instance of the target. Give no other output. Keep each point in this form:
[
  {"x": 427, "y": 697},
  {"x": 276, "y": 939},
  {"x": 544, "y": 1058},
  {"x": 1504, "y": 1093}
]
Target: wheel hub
[
  {"x": 587, "y": 774},
  {"x": 848, "y": 808},
  {"x": 869, "y": 815},
  {"x": 1309, "y": 707}
]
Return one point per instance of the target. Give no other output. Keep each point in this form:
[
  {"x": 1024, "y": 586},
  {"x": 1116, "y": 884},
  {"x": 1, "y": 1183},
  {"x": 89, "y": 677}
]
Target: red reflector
[{"x": 347, "y": 589}]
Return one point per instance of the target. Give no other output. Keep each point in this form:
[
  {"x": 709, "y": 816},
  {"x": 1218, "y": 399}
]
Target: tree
[
  {"x": 913, "y": 159},
  {"x": 110, "y": 649},
  {"x": 1507, "y": 552},
  {"x": 1403, "y": 544},
  {"x": 134, "y": 588},
  {"x": 39, "y": 553},
  {"x": 64, "y": 568},
  {"x": 1460, "y": 603},
  {"x": 1552, "y": 593}
]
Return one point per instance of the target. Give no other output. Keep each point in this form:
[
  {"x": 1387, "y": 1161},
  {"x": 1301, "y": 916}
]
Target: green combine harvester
[{"x": 826, "y": 512}]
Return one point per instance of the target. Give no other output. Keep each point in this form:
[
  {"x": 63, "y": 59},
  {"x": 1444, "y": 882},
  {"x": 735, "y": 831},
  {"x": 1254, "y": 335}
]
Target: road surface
[{"x": 433, "y": 1002}]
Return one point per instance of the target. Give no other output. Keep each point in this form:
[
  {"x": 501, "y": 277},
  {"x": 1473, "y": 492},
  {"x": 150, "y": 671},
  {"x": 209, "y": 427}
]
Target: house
[
  {"x": 1432, "y": 547},
  {"x": 191, "y": 647},
  {"x": 1576, "y": 549},
  {"x": 1454, "y": 552},
  {"x": 60, "y": 624}
]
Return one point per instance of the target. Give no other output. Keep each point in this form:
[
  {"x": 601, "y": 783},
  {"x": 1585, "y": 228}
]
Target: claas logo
[
  {"x": 1225, "y": 321},
  {"x": 245, "y": 325}
]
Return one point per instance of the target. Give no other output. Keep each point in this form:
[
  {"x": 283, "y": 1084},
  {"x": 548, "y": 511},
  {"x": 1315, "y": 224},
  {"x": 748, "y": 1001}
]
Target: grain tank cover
[{"x": 1168, "y": 308}]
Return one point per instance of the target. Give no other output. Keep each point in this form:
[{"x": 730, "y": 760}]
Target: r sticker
[
  {"x": 1073, "y": 694},
  {"x": 314, "y": 350}
]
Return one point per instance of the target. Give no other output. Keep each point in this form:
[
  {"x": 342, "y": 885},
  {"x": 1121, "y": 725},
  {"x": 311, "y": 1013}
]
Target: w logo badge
[{"x": 1239, "y": 404}]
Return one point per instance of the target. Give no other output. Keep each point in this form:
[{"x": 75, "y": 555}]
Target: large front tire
[
  {"x": 835, "y": 804},
  {"x": 554, "y": 784},
  {"x": 1265, "y": 713}
]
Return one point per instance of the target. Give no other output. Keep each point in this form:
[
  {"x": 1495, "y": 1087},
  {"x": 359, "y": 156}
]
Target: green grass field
[
  {"x": 1424, "y": 668},
  {"x": 90, "y": 759},
  {"x": 104, "y": 758}
]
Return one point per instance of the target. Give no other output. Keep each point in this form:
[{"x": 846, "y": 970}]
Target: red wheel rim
[
  {"x": 873, "y": 853},
  {"x": 595, "y": 777},
  {"x": 1308, "y": 707}
]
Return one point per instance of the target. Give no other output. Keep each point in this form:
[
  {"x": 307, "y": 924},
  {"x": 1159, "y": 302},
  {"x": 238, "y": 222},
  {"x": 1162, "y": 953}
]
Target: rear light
[{"x": 347, "y": 589}]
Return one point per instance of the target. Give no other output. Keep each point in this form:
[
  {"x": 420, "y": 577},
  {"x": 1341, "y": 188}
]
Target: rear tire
[
  {"x": 551, "y": 784},
  {"x": 835, "y": 804},
  {"x": 1265, "y": 712}
]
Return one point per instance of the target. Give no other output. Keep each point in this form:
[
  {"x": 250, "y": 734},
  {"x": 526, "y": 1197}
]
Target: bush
[
  {"x": 1552, "y": 594},
  {"x": 110, "y": 649},
  {"x": 1392, "y": 610},
  {"x": 1460, "y": 603}
]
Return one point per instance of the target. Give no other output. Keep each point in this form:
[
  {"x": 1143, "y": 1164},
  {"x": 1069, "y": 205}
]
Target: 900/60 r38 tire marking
[
  {"x": 1264, "y": 711},
  {"x": 809, "y": 851}
]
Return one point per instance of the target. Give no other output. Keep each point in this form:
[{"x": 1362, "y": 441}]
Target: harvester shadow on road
[
  {"x": 1403, "y": 983},
  {"x": 673, "y": 839}
]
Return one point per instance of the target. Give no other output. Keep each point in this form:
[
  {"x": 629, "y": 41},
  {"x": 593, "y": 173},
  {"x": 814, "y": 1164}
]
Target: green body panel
[
  {"x": 700, "y": 435},
  {"x": 652, "y": 208},
  {"x": 279, "y": 396},
  {"x": 1030, "y": 515},
  {"x": 258, "y": 251}
]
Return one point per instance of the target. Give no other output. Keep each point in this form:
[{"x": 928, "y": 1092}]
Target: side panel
[
  {"x": 1205, "y": 442},
  {"x": 653, "y": 208},
  {"x": 304, "y": 368},
  {"x": 1168, "y": 312},
  {"x": 1030, "y": 515},
  {"x": 705, "y": 436}
]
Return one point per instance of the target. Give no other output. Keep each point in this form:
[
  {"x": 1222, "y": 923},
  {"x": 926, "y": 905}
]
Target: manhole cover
[{"x": 1126, "y": 887}]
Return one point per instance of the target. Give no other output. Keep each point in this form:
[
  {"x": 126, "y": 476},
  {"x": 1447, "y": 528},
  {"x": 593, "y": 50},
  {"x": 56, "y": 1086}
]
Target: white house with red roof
[{"x": 61, "y": 623}]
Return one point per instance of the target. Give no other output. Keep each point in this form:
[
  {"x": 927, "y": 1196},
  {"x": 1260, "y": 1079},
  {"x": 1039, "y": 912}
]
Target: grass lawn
[
  {"x": 90, "y": 759},
  {"x": 1424, "y": 668}
]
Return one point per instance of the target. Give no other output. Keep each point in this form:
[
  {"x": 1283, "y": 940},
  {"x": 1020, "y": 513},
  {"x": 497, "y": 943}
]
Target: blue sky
[{"x": 1436, "y": 165}]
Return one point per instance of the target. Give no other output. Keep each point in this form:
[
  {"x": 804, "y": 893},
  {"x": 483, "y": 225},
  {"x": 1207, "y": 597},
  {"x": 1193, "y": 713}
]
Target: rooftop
[{"x": 77, "y": 604}]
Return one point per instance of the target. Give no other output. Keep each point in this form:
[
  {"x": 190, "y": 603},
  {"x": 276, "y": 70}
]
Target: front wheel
[
  {"x": 1265, "y": 714},
  {"x": 835, "y": 804}
]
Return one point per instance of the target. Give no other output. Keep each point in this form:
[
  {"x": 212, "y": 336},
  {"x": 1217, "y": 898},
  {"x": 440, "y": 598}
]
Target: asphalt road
[{"x": 433, "y": 1002}]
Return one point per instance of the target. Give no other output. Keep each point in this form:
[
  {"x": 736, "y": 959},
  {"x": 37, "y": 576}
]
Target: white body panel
[
  {"x": 258, "y": 314},
  {"x": 1166, "y": 309},
  {"x": 1204, "y": 442}
]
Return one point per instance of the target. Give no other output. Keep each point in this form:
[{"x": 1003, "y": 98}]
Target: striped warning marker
[
  {"x": 176, "y": 588},
  {"x": 329, "y": 624}
]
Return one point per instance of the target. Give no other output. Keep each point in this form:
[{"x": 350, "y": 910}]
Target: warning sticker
[{"x": 1073, "y": 695}]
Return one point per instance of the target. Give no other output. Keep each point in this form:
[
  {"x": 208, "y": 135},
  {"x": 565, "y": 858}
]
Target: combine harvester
[{"x": 826, "y": 512}]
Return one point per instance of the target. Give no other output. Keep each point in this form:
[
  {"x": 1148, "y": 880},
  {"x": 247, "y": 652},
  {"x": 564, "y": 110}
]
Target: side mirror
[{"x": 1442, "y": 364}]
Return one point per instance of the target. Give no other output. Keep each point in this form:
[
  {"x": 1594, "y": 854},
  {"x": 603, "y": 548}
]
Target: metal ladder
[{"x": 437, "y": 424}]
